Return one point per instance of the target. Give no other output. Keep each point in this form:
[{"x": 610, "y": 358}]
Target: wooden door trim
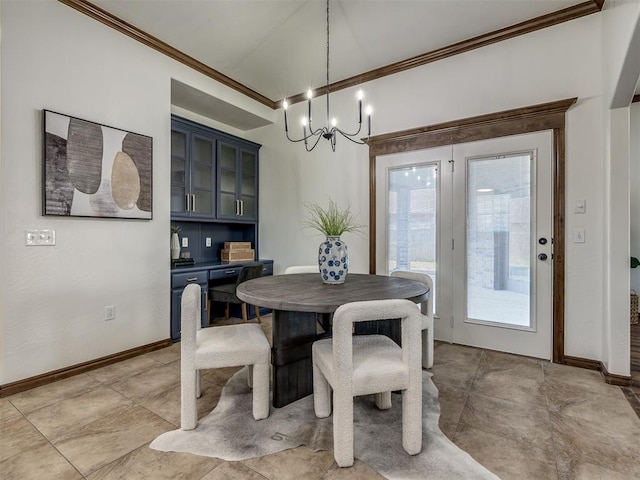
[{"x": 535, "y": 118}]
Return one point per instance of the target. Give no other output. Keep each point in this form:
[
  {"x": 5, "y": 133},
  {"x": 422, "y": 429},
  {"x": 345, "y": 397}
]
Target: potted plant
[{"x": 333, "y": 254}]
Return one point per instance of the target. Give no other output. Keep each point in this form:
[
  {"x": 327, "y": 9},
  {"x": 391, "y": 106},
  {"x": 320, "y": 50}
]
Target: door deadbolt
[{"x": 542, "y": 256}]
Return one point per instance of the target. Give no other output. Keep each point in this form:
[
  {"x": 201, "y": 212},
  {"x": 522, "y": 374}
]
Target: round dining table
[{"x": 299, "y": 301}]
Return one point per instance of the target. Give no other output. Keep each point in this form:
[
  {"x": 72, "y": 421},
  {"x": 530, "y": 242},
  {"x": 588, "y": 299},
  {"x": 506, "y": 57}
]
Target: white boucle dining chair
[
  {"x": 302, "y": 269},
  {"x": 218, "y": 347},
  {"x": 354, "y": 365},
  {"x": 427, "y": 311}
]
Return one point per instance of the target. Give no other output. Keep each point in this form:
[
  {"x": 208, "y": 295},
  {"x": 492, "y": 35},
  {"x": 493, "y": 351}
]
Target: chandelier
[{"x": 312, "y": 136}]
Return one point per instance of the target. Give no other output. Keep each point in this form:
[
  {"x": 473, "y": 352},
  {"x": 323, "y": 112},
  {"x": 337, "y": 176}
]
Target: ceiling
[{"x": 277, "y": 48}]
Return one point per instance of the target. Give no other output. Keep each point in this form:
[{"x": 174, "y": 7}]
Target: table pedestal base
[{"x": 293, "y": 336}]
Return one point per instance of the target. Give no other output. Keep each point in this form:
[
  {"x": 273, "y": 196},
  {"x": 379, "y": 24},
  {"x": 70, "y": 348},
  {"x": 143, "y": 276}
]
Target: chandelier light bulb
[
  {"x": 304, "y": 121},
  {"x": 334, "y": 122},
  {"x": 360, "y": 95},
  {"x": 368, "y": 110},
  {"x": 309, "y": 94},
  {"x": 285, "y": 104}
]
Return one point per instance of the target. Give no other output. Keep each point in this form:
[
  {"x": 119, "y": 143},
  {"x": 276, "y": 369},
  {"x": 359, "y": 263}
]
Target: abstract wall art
[{"x": 91, "y": 170}]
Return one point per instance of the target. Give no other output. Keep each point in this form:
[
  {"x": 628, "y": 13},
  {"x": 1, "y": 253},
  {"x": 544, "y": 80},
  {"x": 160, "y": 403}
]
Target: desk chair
[
  {"x": 218, "y": 347},
  {"x": 354, "y": 365},
  {"x": 227, "y": 292},
  {"x": 427, "y": 314}
]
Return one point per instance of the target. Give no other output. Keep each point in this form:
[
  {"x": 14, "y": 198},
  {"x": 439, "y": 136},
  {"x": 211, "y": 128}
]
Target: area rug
[{"x": 229, "y": 432}]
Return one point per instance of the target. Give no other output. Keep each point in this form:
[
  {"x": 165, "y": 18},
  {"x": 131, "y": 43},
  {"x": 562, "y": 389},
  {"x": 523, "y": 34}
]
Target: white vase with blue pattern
[{"x": 333, "y": 260}]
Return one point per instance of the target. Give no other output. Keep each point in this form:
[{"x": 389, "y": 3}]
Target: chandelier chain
[{"x": 327, "y": 88}]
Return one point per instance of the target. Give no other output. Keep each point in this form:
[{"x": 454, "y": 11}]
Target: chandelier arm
[
  {"x": 300, "y": 139},
  {"x": 306, "y": 146},
  {"x": 348, "y": 137},
  {"x": 317, "y": 131},
  {"x": 345, "y": 134}
]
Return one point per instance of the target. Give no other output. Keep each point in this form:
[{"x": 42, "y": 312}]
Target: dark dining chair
[{"x": 227, "y": 292}]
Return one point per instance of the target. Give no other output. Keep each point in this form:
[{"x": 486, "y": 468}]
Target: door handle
[
  {"x": 187, "y": 203},
  {"x": 542, "y": 256},
  {"x": 542, "y": 241},
  {"x": 193, "y": 203}
]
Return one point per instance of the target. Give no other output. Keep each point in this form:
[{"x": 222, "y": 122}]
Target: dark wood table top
[{"x": 306, "y": 292}]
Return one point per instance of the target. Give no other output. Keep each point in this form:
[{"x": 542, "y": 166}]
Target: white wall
[
  {"x": 556, "y": 63},
  {"x": 634, "y": 183},
  {"x": 53, "y": 298},
  {"x": 621, "y": 70}
]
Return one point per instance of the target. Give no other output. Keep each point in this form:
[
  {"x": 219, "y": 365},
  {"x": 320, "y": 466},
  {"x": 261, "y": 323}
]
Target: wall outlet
[
  {"x": 109, "y": 312},
  {"x": 207, "y": 241},
  {"x": 185, "y": 242}
]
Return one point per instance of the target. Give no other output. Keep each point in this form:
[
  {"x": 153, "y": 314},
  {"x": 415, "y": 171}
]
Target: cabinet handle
[
  {"x": 193, "y": 203},
  {"x": 241, "y": 208},
  {"x": 192, "y": 279},
  {"x": 237, "y": 207},
  {"x": 187, "y": 203},
  {"x": 206, "y": 300},
  {"x": 230, "y": 272}
]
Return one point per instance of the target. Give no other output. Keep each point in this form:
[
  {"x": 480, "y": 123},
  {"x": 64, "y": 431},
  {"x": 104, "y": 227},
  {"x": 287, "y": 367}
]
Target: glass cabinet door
[
  {"x": 248, "y": 182},
  {"x": 228, "y": 187},
  {"x": 179, "y": 175},
  {"x": 202, "y": 176}
]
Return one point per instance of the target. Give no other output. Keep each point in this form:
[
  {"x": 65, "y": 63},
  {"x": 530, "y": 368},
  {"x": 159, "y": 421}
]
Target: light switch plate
[
  {"x": 581, "y": 206},
  {"x": 578, "y": 235},
  {"x": 185, "y": 242},
  {"x": 34, "y": 238},
  {"x": 207, "y": 241}
]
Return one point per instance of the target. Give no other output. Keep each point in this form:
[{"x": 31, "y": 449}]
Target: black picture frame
[{"x": 93, "y": 170}]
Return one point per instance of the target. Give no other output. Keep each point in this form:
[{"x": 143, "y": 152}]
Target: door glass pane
[
  {"x": 249, "y": 206},
  {"x": 412, "y": 220},
  {"x": 248, "y": 173},
  {"x": 203, "y": 202},
  {"x": 203, "y": 151},
  {"x": 178, "y": 200},
  {"x": 177, "y": 171},
  {"x": 498, "y": 226},
  {"x": 203, "y": 177},
  {"x": 178, "y": 144},
  {"x": 227, "y": 204},
  {"x": 227, "y": 157}
]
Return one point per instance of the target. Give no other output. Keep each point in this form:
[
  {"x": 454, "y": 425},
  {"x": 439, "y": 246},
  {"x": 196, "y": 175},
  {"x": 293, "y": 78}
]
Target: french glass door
[{"x": 477, "y": 217}]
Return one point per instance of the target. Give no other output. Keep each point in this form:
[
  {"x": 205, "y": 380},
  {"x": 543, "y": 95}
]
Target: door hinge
[
  {"x": 451, "y": 322},
  {"x": 452, "y": 244},
  {"x": 453, "y": 165}
]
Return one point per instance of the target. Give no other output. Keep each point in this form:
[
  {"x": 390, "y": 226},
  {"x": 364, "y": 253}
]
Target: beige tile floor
[{"x": 519, "y": 417}]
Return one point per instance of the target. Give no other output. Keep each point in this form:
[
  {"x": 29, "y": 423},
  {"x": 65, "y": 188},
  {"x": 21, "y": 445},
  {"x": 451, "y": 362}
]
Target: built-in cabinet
[
  {"x": 214, "y": 199},
  {"x": 214, "y": 175}
]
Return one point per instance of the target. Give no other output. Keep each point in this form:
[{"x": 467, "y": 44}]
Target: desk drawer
[
  {"x": 218, "y": 273},
  {"x": 180, "y": 280}
]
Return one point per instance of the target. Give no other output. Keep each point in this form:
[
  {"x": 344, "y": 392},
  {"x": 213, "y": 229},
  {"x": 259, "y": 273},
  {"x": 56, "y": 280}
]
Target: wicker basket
[{"x": 634, "y": 308}]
